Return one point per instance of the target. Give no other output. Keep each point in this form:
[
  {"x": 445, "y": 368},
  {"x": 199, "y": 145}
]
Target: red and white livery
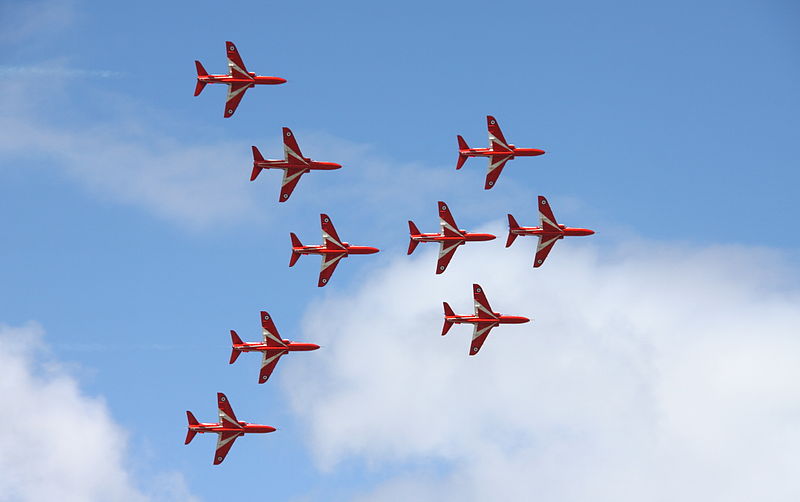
[
  {"x": 238, "y": 79},
  {"x": 449, "y": 239},
  {"x": 483, "y": 320},
  {"x": 228, "y": 428},
  {"x": 499, "y": 152},
  {"x": 272, "y": 347},
  {"x": 549, "y": 232},
  {"x": 332, "y": 250},
  {"x": 294, "y": 165}
]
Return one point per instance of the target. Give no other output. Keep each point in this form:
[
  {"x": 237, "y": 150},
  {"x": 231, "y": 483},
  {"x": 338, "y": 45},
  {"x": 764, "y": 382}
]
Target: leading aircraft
[
  {"x": 332, "y": 250},
  {"x": 293, "y": 164},
  {"x": 484, "y": 319},
  {"x": 449, "y": 239},
  {"x": 272, "y": 347},
  {"x": 549, "y": 231},
  {"x": 238, "y": 79},
  {"x": 499, "y": 152},
  {"x": 228, "y": 428}
]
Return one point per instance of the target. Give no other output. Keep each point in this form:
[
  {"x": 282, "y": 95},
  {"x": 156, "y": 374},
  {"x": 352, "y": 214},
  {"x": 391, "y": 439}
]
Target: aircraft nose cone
[
  {"x": 589, "y": 232},
  {"x": 281, "y": 80}
]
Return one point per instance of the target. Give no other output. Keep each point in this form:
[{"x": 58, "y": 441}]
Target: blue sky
[{"x": 134, "y": 238}]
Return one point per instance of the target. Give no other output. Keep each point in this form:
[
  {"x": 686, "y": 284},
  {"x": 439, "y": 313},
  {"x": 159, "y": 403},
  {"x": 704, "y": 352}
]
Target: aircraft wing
[
  {"x": 268, "y": 363},
  {"x": 224, "y": 443},
  {"x": 479, "y": 335},
  {"x": 546, "y": 243},
  {"x": 482, "y": 307},
  {"x": 235, "y": 94},
  {"x": 329, "y": 262},
  {"x": 446, "y": 251},
  {"x": 496, "y": 139},
  {"x": 546, "y": 217},
  {"x": 496, "y": 165},
  {"x": 291, "y": 176},
  {"x": 291, "y": 150},
  {"x": 235, "y": 64},
  {"x": 448, "y": 224},
  {"x": 330, "y": 238},
  {"x": 226, "y": 415},
  {"x": 271, "y": 336}
]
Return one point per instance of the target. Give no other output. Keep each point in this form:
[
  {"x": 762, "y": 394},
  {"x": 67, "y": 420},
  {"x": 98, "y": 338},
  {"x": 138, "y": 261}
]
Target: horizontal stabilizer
[
  {"x": 413, "y": 230},
  {"x": 448, "y": 312},
  {"x": 462, "y": 145},
  {"x": 295, "y": 244},
  {"x": 512, "y": 225},
  {"x": 257, "y": 157},
  {"x": 199, "y": 87},
  {"x": 235, "y": 340},
  {"x": 190, "y": 434}
]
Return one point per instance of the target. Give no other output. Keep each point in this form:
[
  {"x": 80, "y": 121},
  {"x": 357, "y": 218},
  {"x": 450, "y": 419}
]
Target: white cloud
[
  {"x": 56, "y": 443},
  {"x": 653, "y": 372}
]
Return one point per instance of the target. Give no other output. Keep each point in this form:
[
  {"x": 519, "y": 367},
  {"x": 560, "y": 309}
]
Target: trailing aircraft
[
  {"x": 272, "y": 347},
  {"x": 293, "y": 164},
  {"x": 332, "y": 250},
  {"x": 238, "y": 79},
  {"x": 449, "y": 239},
  {"x": 228, "y": 428},
  {"x": 499, "y": 152},
  {"x": 549, "y": 231},
  {"x": 483, "y": 320}
]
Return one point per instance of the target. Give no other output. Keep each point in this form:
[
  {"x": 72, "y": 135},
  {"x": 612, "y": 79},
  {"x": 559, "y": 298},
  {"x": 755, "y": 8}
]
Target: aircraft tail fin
[
  {"x": 512, "y": 225},
  {"x": 462, "y": 145},
  {"x": 192, "y": 421},
  {"x": 412, "y": 244},
  {"x": 201, "y": 72},
  {"x": 447, "y": 323},
  {"x": 257, "y": 157},
  {"x": 235, "y": 340},
  {"x": 295, "y": 244}
]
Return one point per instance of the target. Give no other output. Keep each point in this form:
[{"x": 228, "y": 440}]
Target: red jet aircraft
[
  {"x": 273, "y": 347},
  {"x": 238, "y": 79},
  {"x": 332, "y": 250},
  {"x": 228, "y": 428},
  {"x": 293, "y": 164},
  {"x": 499, "y": 152},
  {"x": 449, "y": 240},
  {"x": 548, "y": 233},
  {"x": 484, "y": 319}
]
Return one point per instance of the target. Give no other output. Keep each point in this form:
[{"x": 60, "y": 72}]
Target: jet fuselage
[
  {"x": 565, "y": 231},
  {"x": 466, "y": 237},
  {"x": 488, "y": 152},
  {"x": 228, "y": 79},
  {"x": 310, "y": 165},
  {"x": 263, "y": 347},
  {"x": 348, "y": 249},
  {"x": 202, "y": 428},
  {"x": 499, "y": 318}
]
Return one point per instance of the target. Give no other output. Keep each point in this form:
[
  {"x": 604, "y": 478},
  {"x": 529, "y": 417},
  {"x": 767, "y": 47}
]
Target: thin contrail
[{"x": 10, "y": 71}]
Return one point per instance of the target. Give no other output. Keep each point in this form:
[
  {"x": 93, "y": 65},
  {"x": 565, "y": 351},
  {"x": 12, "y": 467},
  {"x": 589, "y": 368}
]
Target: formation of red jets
[{"x": 333, "y": 249}]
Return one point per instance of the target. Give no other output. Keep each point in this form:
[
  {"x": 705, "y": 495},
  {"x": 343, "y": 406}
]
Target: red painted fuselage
[
  {"x": 254, "y": 81},
  {"x": 489, "y": 152},
  {"x": 466, "y": 237},
  {"x": 322, "y": 250},
  {"x": 263, "y": 347},
  {"x": 565, "y": 231},
  {"x": 246, "y": 428},
  {"x": 498, "y": 319}
]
